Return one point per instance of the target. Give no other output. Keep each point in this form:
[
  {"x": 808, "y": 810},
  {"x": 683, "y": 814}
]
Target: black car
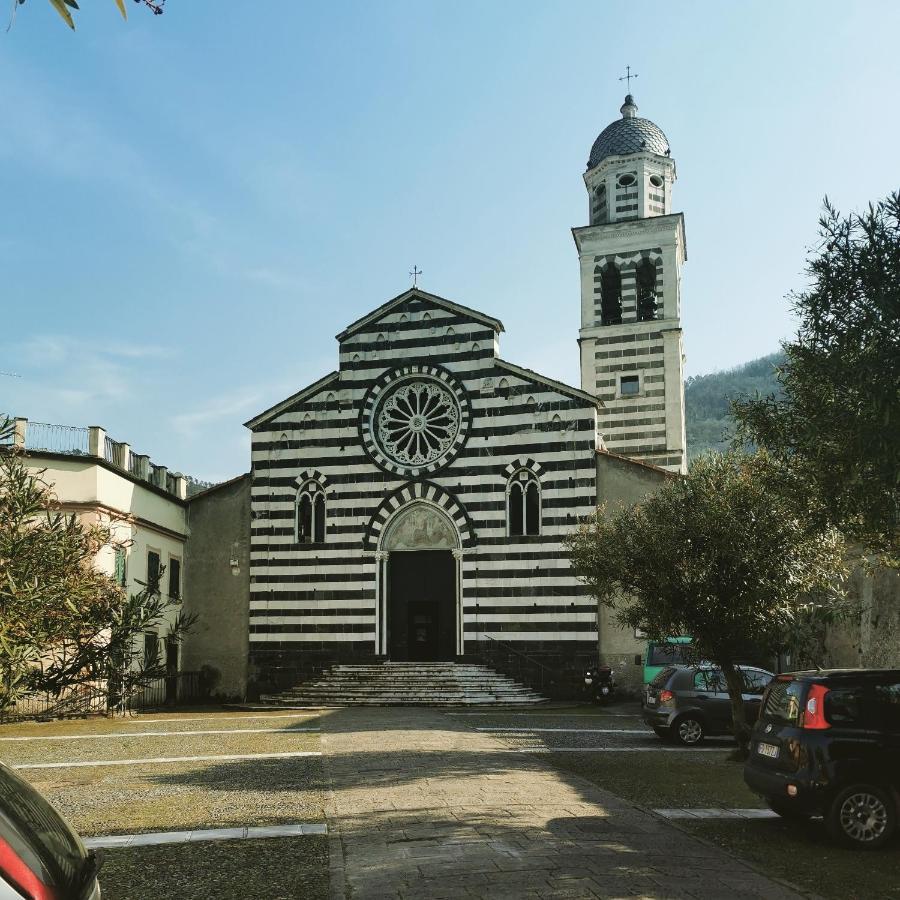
[
  {"x": 686, "y": 703},
  {"x": 828, "y": 743}
]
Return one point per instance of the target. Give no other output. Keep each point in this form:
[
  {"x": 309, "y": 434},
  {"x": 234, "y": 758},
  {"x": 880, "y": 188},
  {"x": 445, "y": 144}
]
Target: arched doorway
[{"x": 419, "y": 585}]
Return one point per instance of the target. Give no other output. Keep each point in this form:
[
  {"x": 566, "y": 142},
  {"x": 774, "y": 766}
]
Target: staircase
[{"x": 408, "y": 684}]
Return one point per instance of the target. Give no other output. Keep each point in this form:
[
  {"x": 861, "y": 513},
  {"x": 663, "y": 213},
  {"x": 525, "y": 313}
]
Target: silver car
[{"x": 686, "y": 703}]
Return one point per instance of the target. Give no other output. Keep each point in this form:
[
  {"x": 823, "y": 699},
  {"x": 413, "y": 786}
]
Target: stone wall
[
  {"x": 871, "y": 639},
  {"x": 217, "y": 584},
  {"x": 620, "y": 483}
]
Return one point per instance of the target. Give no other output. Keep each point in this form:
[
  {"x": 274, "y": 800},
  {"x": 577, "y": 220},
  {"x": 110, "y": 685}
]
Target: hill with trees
[{"x": 706, "y": 400}]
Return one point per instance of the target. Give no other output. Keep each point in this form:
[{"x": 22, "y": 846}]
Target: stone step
[{"x": 408, "y": 684}]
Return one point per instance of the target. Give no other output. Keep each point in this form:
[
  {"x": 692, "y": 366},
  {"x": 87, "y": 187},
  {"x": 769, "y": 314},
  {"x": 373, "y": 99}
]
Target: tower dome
[{"x": 630, "y": 134}]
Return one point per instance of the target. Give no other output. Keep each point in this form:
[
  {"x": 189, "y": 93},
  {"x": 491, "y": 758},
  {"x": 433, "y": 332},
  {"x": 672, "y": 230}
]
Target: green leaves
[{"x": 837, "y": 424}]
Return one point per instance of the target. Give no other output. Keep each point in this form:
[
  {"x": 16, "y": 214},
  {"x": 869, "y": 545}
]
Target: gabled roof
[
  {"x": 550, "y": 382},
  {"x": 273, "y": 411},
  {"x": 416, "y": 293},
  {"x": 639, "y": 462}
]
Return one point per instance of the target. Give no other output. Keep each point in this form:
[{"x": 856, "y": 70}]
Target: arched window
[
  {"x": 611, "y": 296},
  {"x": 523, "y": 504},
  {"x": 311, "y": 514},
  {"x": 646, "y": 291}
]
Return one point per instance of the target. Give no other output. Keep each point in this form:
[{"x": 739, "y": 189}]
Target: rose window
[{"x": 417, "y": 423}]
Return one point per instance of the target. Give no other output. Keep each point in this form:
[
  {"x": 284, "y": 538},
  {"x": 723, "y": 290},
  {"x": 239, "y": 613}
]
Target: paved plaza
[{"x": 425, "y": 805}]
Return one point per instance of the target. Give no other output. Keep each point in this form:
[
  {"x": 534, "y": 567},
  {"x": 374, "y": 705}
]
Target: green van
[{"x": 660, "y": 654}]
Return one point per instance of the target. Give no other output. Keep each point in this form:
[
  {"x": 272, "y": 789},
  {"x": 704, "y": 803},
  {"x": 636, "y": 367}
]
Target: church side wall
[
  {"x": 621, "y": 483},
  {"x": 317, "y": 602},
  {"x": 217, "y": 585}
]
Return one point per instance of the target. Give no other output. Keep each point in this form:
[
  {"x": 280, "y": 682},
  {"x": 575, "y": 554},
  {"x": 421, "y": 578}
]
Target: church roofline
[
  {"x": 639, "y": 462},
  {"x": 550, "y": 382},
  {"x": 496, "y": 324},
  {"x": 273, "y": 411}
]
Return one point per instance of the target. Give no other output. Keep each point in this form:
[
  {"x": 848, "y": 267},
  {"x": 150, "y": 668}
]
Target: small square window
[{"x": 629, "y": 385}]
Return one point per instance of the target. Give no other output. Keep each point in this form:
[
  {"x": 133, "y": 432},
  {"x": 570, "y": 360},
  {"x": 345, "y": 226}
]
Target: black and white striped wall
[{"x": 322, "y": 600}]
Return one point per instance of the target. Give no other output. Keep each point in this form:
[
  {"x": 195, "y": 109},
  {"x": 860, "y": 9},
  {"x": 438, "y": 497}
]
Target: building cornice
[
  {"x": 631, "y": 228},
  {"x": 273, "y": 411},
  {"x": 549, "y": 382},
  {"x": 104, "y": 464},
  {"x": 121, "y": 515},
  {"x": 416, "y": 293}
]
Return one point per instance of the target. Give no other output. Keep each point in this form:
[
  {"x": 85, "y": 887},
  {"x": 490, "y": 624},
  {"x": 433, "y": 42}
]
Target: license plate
[
  {"x": 770, "y": 750},
  {"x": 588, "y": 680}
]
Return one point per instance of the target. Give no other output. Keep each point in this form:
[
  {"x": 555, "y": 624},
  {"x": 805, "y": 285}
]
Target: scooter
[{"x": 599, "y": 684}]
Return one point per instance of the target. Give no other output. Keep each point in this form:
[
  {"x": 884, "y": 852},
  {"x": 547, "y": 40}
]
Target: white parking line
[
  {"x": 624, "y": 749},
  {"x": 164, "y": 759},
  {"x": 568, "y": 730},
  {"x": 560, "y": 715},
  {"x": 225, "y": 718},
  {"x": 716, "y": 813},
  {"x": 204, "y": 834},
  {"x": 130, "y": 734}
]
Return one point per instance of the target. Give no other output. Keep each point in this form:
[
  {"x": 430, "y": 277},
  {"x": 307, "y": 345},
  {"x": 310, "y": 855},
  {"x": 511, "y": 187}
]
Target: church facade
[{"x": 414, "y": 503}]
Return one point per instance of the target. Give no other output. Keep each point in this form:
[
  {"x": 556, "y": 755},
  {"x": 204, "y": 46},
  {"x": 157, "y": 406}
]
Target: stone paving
[{"x": 423, "y": 806}]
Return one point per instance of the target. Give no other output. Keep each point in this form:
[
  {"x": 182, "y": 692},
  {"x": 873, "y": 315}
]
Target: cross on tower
[
  {"x": 415, "y": 273},
  {"x": 627, "y": 77}
]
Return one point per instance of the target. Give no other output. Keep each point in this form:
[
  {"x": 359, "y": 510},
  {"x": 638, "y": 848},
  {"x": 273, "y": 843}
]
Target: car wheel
[
  {"x": 663, "y": 733},
  {"x": 862, "y": 816},
  {"x": 688, "y": 730},
  {"x": 786, "y": 809}
]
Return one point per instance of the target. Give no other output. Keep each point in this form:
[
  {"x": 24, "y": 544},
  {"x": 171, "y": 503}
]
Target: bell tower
[{"x": 631, "y": 256}]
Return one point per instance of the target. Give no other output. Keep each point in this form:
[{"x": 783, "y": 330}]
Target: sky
[{"x": 192, "y": 205}]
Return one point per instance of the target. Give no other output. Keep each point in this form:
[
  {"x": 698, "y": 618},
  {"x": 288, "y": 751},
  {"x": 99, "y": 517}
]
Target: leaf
[
  {"x": 121, "y": 5},
  {"x": 61, "y": 8},
  {"x": 72, "y": 3}
]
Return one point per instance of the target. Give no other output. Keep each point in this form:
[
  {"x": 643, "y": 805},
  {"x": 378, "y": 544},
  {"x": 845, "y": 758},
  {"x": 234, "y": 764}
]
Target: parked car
[
  {"x": 828, "y": 743},
  {"x": 686, "y": 703},
  {"x": 41, "y": 857}
]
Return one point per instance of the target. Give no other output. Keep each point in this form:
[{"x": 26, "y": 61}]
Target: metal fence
[
  {"x": 93, "y": 699},
  {"x": 56, "y": 438}
]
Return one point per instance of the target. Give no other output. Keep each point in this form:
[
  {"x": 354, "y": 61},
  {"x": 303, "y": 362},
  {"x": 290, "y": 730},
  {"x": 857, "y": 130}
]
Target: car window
[
  {"x": 667, "y": 654},
  {"x": 755, "y": 680},
  {"x": 716, "y": 681},
  {"x": 26, "y": 818},
  {"x": 784, "y": 701},
  {"x": 663, "y": 676},
  {"x": 844, "y": 706},
  {"x": 887, "y": 705},
  {"x": 700, "y": 682}
]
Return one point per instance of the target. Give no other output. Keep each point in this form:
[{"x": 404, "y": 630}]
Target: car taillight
[
  {"x": 814, "y": 714},
  {"x": 665, "y": 696},
  {"x": 17, "y": 872}
]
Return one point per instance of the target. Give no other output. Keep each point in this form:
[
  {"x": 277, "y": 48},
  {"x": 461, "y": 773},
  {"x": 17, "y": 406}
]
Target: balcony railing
[{"x": 57, "y": 438}]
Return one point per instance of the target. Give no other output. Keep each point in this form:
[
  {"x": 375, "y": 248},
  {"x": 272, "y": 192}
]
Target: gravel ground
[
  {"x": 199, "y": 720},
  {"x": 270, "y": 869},
  {"x": 110, "y": 748},
  {"x": 126, "y": 799}
]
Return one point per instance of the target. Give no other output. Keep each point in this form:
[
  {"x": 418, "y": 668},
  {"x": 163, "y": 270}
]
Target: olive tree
[
  {"x": 721, "y": 555},
  {"x": 836, "y": 421}
]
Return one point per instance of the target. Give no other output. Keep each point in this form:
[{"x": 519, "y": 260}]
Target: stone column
[
  {"x": 460, "y": 635},
  {"x": 96, "y": 441},
  {"x": 123, "y": 456},
  {"x": 381, "y": 558},
  {"x": 19, "y": 432}
]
